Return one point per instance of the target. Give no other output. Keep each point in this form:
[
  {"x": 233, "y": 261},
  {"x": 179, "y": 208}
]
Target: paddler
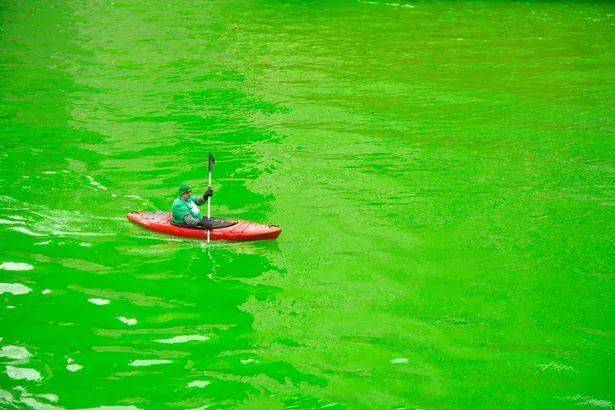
[{"x": 186, "y": 208}]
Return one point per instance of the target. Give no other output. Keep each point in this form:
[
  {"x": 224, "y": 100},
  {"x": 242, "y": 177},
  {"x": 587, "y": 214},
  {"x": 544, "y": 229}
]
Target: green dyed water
[{"x": 443, "y": 173}]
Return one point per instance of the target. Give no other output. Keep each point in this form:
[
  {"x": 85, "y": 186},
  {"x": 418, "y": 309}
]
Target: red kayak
[{"x": 230, "y": 230}]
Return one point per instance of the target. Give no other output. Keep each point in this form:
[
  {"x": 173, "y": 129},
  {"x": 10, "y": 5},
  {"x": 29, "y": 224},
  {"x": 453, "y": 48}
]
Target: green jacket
[{"x": 190, "y": 207}]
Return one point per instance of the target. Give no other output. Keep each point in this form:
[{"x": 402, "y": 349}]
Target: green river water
[{"x": 443, "y": 173}]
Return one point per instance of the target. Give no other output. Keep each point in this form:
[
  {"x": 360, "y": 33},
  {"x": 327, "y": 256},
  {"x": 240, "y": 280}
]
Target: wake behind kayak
[{"x": 223, "y": 229}]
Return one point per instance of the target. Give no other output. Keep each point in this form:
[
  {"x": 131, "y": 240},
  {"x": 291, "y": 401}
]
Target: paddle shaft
[{"x": 209, "y": 208}]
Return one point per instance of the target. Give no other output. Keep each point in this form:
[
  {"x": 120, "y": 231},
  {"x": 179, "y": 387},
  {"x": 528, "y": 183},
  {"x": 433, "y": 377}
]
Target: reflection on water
[
  {"x": 129, "y": 321},
  {"x": 72, "y": 367},
  {"x": 183, "y": 339},
  {"x": 15, "y": 353},
  {"x": 23, "y": 373},
  {"x": 199, "y": 383},
  {"x": 14, "y": 288},
  {"x": 99, "y": 302},
  {"x": 16, "y": 266},
  {"x": 148, "y": 362}
]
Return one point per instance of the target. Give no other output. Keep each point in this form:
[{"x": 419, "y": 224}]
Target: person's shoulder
[{"x": 177, "y": 202}]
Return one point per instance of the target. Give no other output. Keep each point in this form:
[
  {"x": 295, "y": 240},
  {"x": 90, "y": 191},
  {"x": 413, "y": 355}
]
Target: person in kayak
[{"x": 186, "y": 208}]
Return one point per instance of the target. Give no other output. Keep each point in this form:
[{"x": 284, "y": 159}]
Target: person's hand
[{"x": 208, "y": 193}]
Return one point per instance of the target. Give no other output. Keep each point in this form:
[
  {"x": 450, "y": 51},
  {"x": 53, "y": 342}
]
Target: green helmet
[{"x": 184, "y": 188}]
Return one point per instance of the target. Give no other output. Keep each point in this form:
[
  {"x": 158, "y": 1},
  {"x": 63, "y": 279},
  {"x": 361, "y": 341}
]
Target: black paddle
[{"x": 212, "y": 162}]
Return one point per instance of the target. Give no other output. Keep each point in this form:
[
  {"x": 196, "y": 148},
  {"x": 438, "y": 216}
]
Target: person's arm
[
  {"x": 206, "y": 195},
  {"x": 190, "y": 220}
]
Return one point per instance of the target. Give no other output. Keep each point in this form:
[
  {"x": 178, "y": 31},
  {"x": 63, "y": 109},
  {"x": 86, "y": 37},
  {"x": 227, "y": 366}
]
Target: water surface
[{"x": 443, "y": 173}]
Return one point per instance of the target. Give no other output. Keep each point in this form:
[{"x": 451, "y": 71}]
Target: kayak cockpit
[{"x": 216, "y": 223}]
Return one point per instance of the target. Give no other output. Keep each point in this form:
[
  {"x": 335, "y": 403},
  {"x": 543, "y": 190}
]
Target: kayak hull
[{"x": 242, "y": 231}]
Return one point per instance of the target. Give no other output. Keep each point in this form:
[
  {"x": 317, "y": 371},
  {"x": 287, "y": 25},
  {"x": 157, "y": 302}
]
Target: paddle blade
[{"x": 212, "y": 162}]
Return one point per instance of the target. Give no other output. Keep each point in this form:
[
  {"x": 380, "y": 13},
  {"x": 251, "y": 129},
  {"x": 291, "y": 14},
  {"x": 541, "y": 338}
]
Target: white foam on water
[
  {"x": 151, "y": 362},
  {"x": 199, "y": 383},
  {"x": 43, "y": 243},
  {"x": 113, "y": 407},
  {"x": 133, "y": 197},
  {"x": 26, "y": 231},
  {"x": 183, "y": 339},
  {"x": 554, "y": 366},
  {"x": 409, "y": 6},
  {"x": 77, "y": 233},
  {"x": 73, "y": 367},
  {"x": 4, "y": 198},
  {"x": 607, "y": 404},
  {"x": 85, "y": 244},
  {"x": 9, "y": 222},
  {"x": 99, "y": 302},
  {"x": 5, "y": 396},
  {"x": 248, "y": 361},
  {"x": 16, "y": 266},
  {"x": 130, "y": 321},
  {"x": 590, "y": 401},
  {"x": 15, "y": 352},
  {"x": 23, "y": 373},
  {"x": 400, "y": 360},
  {"x": 14, "y": 288},
  {"x": 49, "y": 397},
  {"x": 49, "y": 172},
  {"x": 95, "y": 183},
  {"x": 46, "y": 291},
  {"x": 10, "y": 307},
  {"x": 37, "y": 405}
]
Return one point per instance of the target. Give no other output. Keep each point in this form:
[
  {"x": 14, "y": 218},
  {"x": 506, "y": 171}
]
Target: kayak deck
[{"x": 239, "y": 232}]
